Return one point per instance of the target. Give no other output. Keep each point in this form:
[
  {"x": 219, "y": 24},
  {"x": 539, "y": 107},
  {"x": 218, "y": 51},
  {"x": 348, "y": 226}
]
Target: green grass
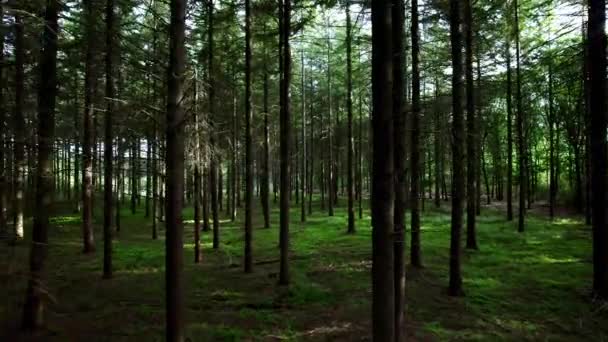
[{"x": 530, "y": 286}]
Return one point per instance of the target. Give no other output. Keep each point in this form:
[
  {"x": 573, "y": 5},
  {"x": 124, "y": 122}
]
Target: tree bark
[
  {"x": 248, "y": 257},
  {"x": 399, "y": 155},
  {"x": 285, "y": 135},
  {"x": 383, "y": 195},
  {"x": 107, "y": 211},
  {"x": 520, "y": 130},
  {"x": 596, "y": 41},
  {"x": 471, "y": 128},
  {"x": 33, "y": 310},
  {"x": 415, "y": 258},
  {"x": 175, "y": 174},
  {"x": 455, "y": 284},
  {"x": 349, "y": 108},
  {"x": 19, "y": 162}
]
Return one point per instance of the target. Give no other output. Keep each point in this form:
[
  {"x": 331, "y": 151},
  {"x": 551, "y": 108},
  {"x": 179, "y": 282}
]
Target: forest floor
[{"x": 530, "y": 286}]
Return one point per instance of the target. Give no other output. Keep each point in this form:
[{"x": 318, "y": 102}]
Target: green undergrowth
[{"x": 518, "y": 286}]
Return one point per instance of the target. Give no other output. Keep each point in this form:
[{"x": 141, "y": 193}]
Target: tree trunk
[
  {"x": 3, "y": 140},
  {"x": 520, "y": 130},
  {"x": 87, "y": 142},
  {"x": 303, "y": 165},
  {"x": 596, "y": 41},
  {"x": 383, "y": 195},
  {"x": 399, "y": 155},
  {"x": 330, "y": 166},
  {"x": 471, "y": 128},
  {"x": 33, "y": 310},
  {"x": 213, "y": 165},
  {"x": 415, "y": 258},
  {"x": 455, "y": 285},
  {"x": 349, "y": 106},
  {"x": 285, "y": 135},
  {"x": 509, "y": 129},
  {"x": 248, "y": 257},
  {"x": 266, "y": 158},
  {"x": 175, "y": 174},
  {"x": 19, "y": 162}
]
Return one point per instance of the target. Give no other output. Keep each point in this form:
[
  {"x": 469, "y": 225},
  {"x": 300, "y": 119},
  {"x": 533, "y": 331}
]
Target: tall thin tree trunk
[
  {"x": 383, "y": 195},
  {"x": 471, "y": 128},
  {"x": 248, "y": 257},
  {"x": 509, "y": 127},
  {"x": 458, "y": 142},
  {"x": 19, "y": 162},
  {"x": 415, "y": 258},
  {"x": 285, "y": 135},
  {"x": 175, "y": 174},
  {"x": 399, "y": 155},
  {"x": 349, "y": 108},
  {"x": 520, "y": 129},
  {"x": 596, "y": 41},
  {"x": 303, "y": 165},
  {"x": 330, "y": 166},
  {"x": 213, "y": 164},
  {"x": 33, "y": 310},
  {"x": 107, "y": 210},
  {"x": 87, "y": 143},
  {"x": 197, "y": 175},
  {"x": 3, "y": 139},
  {"x": 266, "y": 153}
]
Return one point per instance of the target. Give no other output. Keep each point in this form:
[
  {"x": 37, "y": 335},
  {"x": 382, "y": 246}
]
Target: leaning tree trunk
[
  {"x": 383, "y": 183},
  {"x": 33, "y": 310}
]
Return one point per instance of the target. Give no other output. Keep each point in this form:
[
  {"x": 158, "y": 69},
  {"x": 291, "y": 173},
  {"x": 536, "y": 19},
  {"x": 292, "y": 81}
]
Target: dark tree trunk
[
  {"x": 265, "y": 160},
  {"x": 19, "y": 161},
  {"x": 234, "y": 175},
  {"x": 399, "y": 125},
  {"x": 596, "y": 41},
  {"x": 197, "y": 175},
  {"x": 509, "y": 129},
  {"x": 311, "y": 155},
  {"x": 520, "y": 130},
  {"x": 248, "y": 257},
  {"x": 213, "y": 165},
  {"x": 383, "y": 195},
  {"x": 3, "y": 139},
  {"x": 33, "y": 310},
  {"x": 87, "y": 142},
  {"x": 303, "y": 164},
  {"x": 107, "y": 206},
  {"x": 330, "y": 165},
  {"x": 458, "y": 142},
  {"x": 551, "y": 120},
  {"x": 175, "y": 174},
  {"x": 349, "y": 108},
  {"x": 285, "y": 136},
  {"x": 415, "y": 258},
  {"x": 471, "y": 128}
]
